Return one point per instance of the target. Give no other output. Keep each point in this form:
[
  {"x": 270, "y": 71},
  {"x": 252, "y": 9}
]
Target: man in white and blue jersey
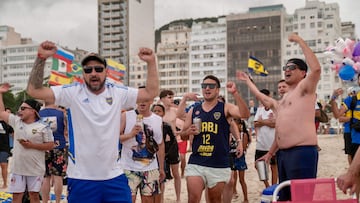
[{"x": 94, "y": 172}]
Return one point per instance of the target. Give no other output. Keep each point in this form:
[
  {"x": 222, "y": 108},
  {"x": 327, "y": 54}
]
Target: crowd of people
[{"x": 113, "y": 141}]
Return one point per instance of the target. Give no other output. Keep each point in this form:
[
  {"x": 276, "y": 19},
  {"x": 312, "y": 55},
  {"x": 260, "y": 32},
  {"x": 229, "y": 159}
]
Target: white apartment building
[
  {"x": 207, "y": 54},
  {"x": 173, "y": 58},
  {"x": 17, "y": 56},
  {"x": 319, "y": 24},
  {"x": 17, "y": 63},
  {"x": 123, "y": 27}
]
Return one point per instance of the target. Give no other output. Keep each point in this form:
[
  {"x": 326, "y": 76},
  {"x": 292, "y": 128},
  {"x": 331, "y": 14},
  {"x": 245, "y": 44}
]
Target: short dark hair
[
  {"x": 265, "y": 91},
  {"x": 212, "y": 77},
  {"x": 159, "y": 105},
  {"x": 165, "y": 93},
  {"x": 299, "y": 62},
  {"x": 280, "y": 81}
]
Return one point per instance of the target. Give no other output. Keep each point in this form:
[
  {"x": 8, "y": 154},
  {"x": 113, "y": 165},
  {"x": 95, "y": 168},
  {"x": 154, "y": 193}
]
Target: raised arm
[
  {"x": 4, "y": 115},
  {"x": 241, "y": 110},
  {"x": 151, "y": 89},
  {"x": 35, "y": 86},
  {"x": 180, "y": 113},
  {"x": 313, "y": 76},
  {"x": 337, "y": 112},
  {"x": 265, "y": 100}
]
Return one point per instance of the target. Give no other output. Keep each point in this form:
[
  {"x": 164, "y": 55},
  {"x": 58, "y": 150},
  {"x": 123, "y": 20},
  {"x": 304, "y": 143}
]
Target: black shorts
[
  {"x": 354, "y": 148},
  {"x": 172, "y": 155},
  {"x": 260, "y": 153},
  {"x": 347, "y": 143}
]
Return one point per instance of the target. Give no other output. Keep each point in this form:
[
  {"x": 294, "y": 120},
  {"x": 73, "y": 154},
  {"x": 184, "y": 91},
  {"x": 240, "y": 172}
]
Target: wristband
[{"x": 41, "y": 57}]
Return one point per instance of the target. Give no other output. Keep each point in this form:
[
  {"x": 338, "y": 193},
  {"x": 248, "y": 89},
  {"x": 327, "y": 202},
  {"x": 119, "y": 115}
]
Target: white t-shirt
[
  {"x": 29, "y": 162},
  {"x": 265, "y": 134},
  {"x": 134, "y": 155},
  {"x": 94, "y": 128}
]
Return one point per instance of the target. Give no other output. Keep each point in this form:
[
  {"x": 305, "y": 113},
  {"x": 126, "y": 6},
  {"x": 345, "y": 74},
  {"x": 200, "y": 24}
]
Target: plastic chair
[{"x": 321, "y": 190}]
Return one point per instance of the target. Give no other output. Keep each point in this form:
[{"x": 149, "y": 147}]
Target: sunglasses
[
  {"x": 290, "y": 67},
  {"x": 22, "y": 108},
  {"x": 89, "y": 69},
  {"x": 210, "y": 85}
]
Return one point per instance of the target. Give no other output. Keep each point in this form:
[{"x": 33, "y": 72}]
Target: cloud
[{"x": 74, "y": 23}]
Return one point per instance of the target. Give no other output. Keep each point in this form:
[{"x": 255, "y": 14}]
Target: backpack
[{"x": 323, "y": 116}]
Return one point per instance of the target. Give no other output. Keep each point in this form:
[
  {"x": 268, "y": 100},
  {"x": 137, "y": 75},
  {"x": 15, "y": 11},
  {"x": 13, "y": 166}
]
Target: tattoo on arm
[{"x": 37, "y": 73}]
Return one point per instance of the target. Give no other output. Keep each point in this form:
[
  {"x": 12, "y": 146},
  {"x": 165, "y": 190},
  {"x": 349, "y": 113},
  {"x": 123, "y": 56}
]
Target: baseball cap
[
  {"x": 34, "y": 105},
  {"x": 93, "y": 57}
]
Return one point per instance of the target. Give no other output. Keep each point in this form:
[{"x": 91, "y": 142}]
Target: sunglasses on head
[
  {"x": 210, "y": 85},
  {"x": 98, "y": 69},
  {"x": 290, "y": 67}
]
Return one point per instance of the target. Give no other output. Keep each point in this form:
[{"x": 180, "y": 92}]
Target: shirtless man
[
  {"x": 295, "y": 139},
  {"x": 167, "y": 98}
]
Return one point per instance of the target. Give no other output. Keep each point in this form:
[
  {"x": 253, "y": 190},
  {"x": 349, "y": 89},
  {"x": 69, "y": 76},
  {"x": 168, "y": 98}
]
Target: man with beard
[
  {"x": 94, "y": 171},
  {"x": 295, "y": 138},
  {"x": 209, "y": 164}
]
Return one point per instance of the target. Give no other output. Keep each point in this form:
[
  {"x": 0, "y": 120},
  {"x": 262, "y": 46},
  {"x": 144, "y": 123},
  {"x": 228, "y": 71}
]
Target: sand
[{"x": 332, "y": 162}]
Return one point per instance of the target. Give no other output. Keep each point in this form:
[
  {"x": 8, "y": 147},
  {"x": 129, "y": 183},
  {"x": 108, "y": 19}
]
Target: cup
[{"x": 262, "y": 170}]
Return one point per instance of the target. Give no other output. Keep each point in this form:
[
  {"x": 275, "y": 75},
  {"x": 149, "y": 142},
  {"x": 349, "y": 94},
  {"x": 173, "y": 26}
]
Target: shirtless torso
[{"x": 295, "y": 129}]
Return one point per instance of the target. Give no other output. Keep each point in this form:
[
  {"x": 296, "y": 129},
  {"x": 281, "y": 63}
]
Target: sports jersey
[
  {"x": 355, "y": 135},
  {"x": 29, "y": 162},
  {"x": 211, "y": 146},
  {"x": 55, "y": 119},
  {"x": 94, "y": 128},
  {"x": 134, "y": 154}
]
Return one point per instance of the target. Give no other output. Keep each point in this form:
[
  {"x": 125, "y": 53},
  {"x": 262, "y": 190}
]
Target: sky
[{"x": 73, "y": 23}]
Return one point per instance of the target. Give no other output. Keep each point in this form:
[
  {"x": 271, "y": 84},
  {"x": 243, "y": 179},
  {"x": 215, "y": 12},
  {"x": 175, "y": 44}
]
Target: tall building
[
  {"x": 319, "y": 24},
  {"x": 348, "y": 30},
  {"x": 173, "y": 58},
  {"x": 258, "y": 33},
  {"x": 17, "y": 56},
  {"x": 208, "y": 53},
  {"x": 123, "y": 27}
]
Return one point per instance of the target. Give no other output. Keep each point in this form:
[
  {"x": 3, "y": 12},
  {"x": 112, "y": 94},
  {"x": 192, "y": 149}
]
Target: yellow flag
[{"x": 255, "y": 66}]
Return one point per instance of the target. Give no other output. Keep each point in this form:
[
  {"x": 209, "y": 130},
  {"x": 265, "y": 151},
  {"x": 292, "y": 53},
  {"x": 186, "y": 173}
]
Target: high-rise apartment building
[
  {"x": 258, "y": 33},
  {"x": 173, "y": 58},
  {"x": 17, "y": 56},
  {"x": 123, "y": 27},
  {"x": 319, "y": 24},
  {"x": 208, "y": 53}
]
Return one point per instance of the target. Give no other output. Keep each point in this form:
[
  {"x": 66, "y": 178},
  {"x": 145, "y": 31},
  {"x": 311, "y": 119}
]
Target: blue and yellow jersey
[
  {"x": 211, "y": 146},
  {"x": 355, "y": 135}
]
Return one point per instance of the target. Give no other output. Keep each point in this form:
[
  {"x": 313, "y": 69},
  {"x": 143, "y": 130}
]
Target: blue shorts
[
  {"x": 238, "y": 164},
  {"x": 4, "y": 157},
  {"x": 296, "y": 163},
  {"x": 95, "y": 191}
]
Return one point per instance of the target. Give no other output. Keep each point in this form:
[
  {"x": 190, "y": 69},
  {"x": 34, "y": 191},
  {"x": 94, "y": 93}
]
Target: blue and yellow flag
[{"x": 255, "y": 66}]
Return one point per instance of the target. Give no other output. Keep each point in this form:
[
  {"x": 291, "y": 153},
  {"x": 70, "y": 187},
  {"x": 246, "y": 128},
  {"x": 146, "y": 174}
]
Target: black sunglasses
[
  {"x": 290, "y": 67},
  {"x": 210, "y": 85},
  {"x": 22, "y": 108},
  {"x": 98, "y": 69}
]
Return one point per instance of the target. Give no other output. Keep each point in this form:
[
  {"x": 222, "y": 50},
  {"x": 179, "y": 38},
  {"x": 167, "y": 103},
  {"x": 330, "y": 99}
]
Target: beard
[{"x": 95, "y": 88}]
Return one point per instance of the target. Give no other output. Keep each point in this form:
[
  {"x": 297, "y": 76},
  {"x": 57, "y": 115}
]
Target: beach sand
[{"x": 332, "y": 163}]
